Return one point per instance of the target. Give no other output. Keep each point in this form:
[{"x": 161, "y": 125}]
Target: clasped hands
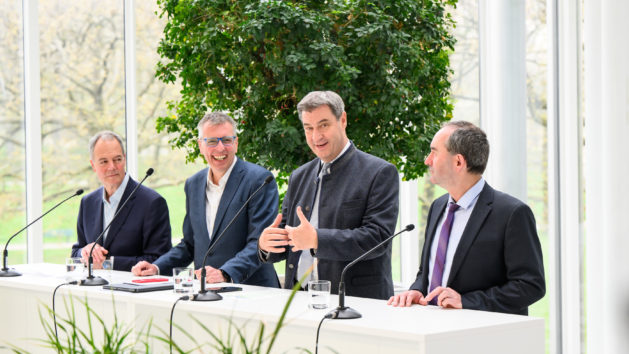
[
  {"x": 446, "y": 298},
  {"x": 98, "y": 255},
  {"x": 274, "y": 239}
]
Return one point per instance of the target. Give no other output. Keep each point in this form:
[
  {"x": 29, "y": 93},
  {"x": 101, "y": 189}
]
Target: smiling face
[
  {"x": 325, "y": 134},
  {"x": 108, "y": 161},
  {"x": 219, "y": 157}
]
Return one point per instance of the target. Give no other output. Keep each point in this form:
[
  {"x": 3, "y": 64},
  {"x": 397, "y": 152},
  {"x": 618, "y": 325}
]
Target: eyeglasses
[{"x": 212, "y": 142}]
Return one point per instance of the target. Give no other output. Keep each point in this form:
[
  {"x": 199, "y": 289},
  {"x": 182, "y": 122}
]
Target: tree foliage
[{"x": 389, "y": 60}]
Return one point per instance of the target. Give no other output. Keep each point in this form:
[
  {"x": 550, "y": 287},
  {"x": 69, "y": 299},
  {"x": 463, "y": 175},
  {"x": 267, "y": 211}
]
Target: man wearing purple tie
[{"x": 481, "y": 247}]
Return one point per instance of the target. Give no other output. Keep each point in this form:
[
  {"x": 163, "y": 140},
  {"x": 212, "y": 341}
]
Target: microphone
[
  {"x": 343, "y": 312},
  {"x": 203, "y": 294},
  {"x": 6, "y": 272},
  {"x": 91, "y": 280}
]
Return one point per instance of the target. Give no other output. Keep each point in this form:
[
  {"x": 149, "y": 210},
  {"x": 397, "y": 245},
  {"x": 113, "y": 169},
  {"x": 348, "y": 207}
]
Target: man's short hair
[
  {"x": 215, "y": 118},
  {"x": 316, "y": 99},
  {"x": 471, "y": 142},
  {"x": 107, "y": 136}
]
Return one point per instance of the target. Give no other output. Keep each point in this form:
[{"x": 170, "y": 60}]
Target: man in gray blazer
[
  {"x": 213, "y": 197},
  {"x": 481, "y": 248},
  {"x": 337, "y": 207}
]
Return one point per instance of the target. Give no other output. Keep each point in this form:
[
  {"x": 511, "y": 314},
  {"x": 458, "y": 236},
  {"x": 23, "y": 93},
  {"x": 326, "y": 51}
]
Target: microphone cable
[
  {"x": 54, "y": 312},
  {"x": 328, "y": 315},
  {"x": 172, "y": 312}
]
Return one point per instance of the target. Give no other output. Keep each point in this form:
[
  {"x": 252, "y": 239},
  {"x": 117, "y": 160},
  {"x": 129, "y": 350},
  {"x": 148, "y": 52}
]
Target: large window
[
  {"x": 82, "y": 92},
  {"x": 82, "y": 80},
  {"x": 537, "y": 148},
  {"x": 12, "y": 153},
  {"x": 171, "y": 170}
]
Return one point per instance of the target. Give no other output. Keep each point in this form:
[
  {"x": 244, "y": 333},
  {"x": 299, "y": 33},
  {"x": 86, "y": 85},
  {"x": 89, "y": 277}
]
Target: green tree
[{"x": 389, "y": 60}]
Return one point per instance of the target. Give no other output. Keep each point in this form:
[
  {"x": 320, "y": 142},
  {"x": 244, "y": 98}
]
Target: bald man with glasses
[{"x": 213, "y": 197}]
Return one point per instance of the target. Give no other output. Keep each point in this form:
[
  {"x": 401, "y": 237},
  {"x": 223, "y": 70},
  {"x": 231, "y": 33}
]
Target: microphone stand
[
  {"x": 6, "y": 272},
  {"x": 204, "y": 294},
  {"x": 344, "y": 312},
  {"x": 91, "y": 280}
]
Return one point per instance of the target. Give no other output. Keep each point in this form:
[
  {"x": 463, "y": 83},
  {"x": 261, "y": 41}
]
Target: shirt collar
[
  {"x": 114, "y": 199},
  {"x": 349, "y": 143},
  {"x": 470, "y": 196},
  {"x": 223, "y": 181}
]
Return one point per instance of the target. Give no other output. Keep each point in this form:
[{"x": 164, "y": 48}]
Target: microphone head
[
  {"x": 150, "y": 171},
  {"x": 79, "y": 192},
  {"x": 410, "y": 227},
  {"x": 268, "y": 179}
]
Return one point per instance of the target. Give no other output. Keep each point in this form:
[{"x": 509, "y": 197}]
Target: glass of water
[
  {"x": 183, "y": 279},
  {"x": 319, "y": 294},
  {"x": 108, "y": 267},
  {"x": 74, "y": 268}
]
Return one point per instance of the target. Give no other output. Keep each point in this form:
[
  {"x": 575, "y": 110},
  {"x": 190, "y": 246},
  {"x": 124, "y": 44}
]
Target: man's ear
[{"x": 460, "y": 162}]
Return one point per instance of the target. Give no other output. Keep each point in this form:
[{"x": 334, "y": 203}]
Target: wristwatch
[{"x": 228, "y": 279}]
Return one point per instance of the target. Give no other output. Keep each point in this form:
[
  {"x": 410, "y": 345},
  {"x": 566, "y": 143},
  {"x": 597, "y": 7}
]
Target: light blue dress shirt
[{"x": 109, "y": 207}]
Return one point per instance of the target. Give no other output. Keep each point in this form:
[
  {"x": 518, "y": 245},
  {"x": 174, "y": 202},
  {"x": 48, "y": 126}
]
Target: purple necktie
[{"x": 440, "y": 257}]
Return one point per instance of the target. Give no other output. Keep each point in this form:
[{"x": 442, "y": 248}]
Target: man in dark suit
[
  {"x": 141, "y": 231},
  {"x": 481, "y": 248},
  {"x": 213, "y": 196},
  {"x": 337, "y": 207}
]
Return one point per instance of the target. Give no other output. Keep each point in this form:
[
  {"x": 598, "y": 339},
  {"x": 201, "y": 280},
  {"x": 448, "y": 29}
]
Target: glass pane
[
  {"x": 537, "y": 180},
  {"x": 13, "y": 178},
  {"x": 464, "y": 62},
  {"x": 82, "y": 92},
  {"x": 171, "y": 169}
]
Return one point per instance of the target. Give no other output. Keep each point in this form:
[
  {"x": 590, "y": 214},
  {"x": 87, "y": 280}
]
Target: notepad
[{"x": 139, "y": 287}]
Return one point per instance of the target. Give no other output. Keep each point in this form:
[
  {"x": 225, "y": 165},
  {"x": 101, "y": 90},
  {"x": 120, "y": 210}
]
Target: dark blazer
[
  {"x": 140, "y": 232},
  {"x": 236, "y": 252},
  {"x": 498, "y": 263},
  {"x": 358, "y": 208}
]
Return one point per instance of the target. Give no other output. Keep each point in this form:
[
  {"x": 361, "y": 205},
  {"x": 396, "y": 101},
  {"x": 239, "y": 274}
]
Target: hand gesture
[
  {"x": 274, "y": 239},
  {"x": 303, "y": 236}
]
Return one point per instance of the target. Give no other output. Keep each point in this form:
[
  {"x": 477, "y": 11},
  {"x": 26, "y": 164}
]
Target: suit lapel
[
  {"x": 307, "y": 198},
  {"x": 97, "y": 228},
  {"x": 481, "y": 210},
  {"x": 437, "y": 212},
  {"x": 228, "y": 195},
  {"x": 196, "y": 210},
  {"x": 120, "y": 219}
]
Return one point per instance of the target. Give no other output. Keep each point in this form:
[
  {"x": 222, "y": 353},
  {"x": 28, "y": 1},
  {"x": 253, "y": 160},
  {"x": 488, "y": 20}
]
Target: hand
[
  {"x": 304, "y": 236},
  {"x": 212, "y": 275},
  {"x": 446, "y": 297},
  {"x": 406, "y": 299},
  {"x": 144, "y": 268},
  {"x": 273, "y": 238},
  {"x": 98, "y": 256}
]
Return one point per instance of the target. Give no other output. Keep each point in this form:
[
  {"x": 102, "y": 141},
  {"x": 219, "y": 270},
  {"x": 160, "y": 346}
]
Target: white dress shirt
[{"x": 213, "y": 194}]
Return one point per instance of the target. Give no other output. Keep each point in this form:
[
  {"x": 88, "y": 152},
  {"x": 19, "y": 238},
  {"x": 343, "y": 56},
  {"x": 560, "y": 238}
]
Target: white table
[{"x": 382, "y": 329}]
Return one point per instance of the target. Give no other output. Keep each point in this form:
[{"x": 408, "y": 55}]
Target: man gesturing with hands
[{"x": 337, "y": 207}]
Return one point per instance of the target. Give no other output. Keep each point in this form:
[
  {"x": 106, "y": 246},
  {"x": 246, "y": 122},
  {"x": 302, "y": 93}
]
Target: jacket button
[
  {"x": 291, "y": 266},
  {"x": 307, "y": 208}
]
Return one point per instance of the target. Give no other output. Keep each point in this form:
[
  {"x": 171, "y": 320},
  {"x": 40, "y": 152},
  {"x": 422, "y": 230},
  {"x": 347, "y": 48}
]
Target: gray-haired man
[{"x": 337, "y": 207}]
